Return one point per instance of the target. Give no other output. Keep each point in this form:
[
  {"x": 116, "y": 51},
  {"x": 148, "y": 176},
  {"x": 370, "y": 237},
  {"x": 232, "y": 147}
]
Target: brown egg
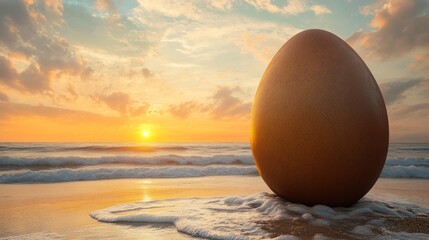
[{"x": 319, "y": 132}]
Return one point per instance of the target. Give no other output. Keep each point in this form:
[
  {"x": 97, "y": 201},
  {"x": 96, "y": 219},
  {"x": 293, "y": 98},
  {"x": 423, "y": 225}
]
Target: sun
[{"x": 145, "y": 133}]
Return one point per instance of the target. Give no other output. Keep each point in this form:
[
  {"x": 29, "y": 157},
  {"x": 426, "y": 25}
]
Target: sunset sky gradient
[{"x": 107, "y": 70}]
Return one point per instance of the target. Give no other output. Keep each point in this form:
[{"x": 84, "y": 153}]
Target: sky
[{"x": 187, "y": 70}]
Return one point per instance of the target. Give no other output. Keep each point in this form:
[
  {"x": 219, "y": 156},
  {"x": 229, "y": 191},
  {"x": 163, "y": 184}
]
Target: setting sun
[{"x": 145, "y": 133}]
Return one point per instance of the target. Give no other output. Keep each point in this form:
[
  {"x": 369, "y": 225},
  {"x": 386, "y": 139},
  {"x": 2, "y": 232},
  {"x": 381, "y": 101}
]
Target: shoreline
[{"x": 64, "y": 208}]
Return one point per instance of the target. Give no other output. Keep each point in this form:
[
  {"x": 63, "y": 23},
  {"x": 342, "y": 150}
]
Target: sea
[
  {"x": 259, "y": 216},
  {"x": 62, "y": 162}
]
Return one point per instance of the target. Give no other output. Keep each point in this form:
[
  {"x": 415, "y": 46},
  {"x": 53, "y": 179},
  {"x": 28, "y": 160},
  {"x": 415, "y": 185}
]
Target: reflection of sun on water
[{"x": 146, "y": 189}]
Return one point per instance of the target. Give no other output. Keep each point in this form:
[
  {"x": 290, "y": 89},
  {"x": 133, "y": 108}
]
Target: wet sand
[{"x": 64, "y": 208}]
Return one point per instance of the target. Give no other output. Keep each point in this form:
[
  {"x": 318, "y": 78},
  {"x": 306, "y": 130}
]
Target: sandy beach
[{"x": 62, "y": 210}]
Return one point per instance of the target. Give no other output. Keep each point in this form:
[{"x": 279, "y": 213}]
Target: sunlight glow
[{"x": 145, "y": 133}]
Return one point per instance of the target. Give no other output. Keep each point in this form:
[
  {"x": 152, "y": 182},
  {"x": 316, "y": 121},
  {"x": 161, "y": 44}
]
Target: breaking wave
[
  {"x": 65, "y": 175},
  {"x": 153, "y": 160},
  {"x": 59, "y": 162}
]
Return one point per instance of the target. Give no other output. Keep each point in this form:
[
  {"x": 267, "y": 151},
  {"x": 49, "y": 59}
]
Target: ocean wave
[
  {"x": 154, "y": 160},
  {"x": 127, "y": 148},
  {"x": 65, "y": 174},
  {"x": 60, "y": 169},
  {"x": 80, "y": 174},
  {"x": 95, "y": 148},
  {"x": 418, "y": 148},
  {"x": 118, "y": 147},
  {"x": 259, "y": 216},
  {"x": 405, "y": 172},
  {"x": 164, "y": 159},
  {"x": 407, "y": 162}
]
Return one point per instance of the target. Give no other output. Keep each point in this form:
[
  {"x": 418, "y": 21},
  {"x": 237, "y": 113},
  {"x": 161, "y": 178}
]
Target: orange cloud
[
  {"x": 185, "y": 109},
  {"x": 399, "y": 27},
  {"x": 121, "y": 102},
  {"x": 3, "y": 97},
  {"x": 105, "y": 5},
  {"x": 292, "y": 7},
  {"x": 224, "y": 105}
]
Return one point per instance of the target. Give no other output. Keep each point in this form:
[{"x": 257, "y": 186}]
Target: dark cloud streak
[{"x": 396, "y": 90}]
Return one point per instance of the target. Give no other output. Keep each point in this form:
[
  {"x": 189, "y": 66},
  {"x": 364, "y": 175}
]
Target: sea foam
[{"x": 264, "y": 215}]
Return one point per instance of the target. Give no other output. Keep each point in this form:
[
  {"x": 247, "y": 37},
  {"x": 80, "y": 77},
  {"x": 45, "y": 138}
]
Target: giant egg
[{"x": 319, "y": 131}]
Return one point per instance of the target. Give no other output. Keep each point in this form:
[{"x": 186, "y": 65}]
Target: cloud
[
  {"x": 117, "y": 101},
  {"x": 109, "y": 11},
  {"x": 399, "y": 26},
  {"x": 50, "y": 8},
  {"x": 201, "y": 41},
  {"x": 185, "y": 109},
  {"x": 71, "y": 90},
  {"x": 27, "y": 39},
  {"x": 3, "y": 97},
  {"x": 197, "y": 10},
  {"x": 224, "y": 104},
  {"x": 408, "y": 123},
  {"x": 10, "y": 110},
  {"x": 319, "y": 9},
  {"x": 396, "y": 90},
  {"x": 147, "y": 73},
  {"x": 121, "y": 103},
  {"x": 293, "y": 7},
  {"x": 261, "y": 39},
  {"x": 115, "y": 35},
  {"x": 224, "y": 5},
  {"x": 408, "y": 109},
  {"x": 105, "y": 5},
  {"x": 140, "y": 110},
  {"x": 173, "y": 8},
  {"x": 370, "y": 9},
  {"x": 421, "y": 62},
  {"x": 261, "y": 45},
  {"x": 7, "y": 72}
]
